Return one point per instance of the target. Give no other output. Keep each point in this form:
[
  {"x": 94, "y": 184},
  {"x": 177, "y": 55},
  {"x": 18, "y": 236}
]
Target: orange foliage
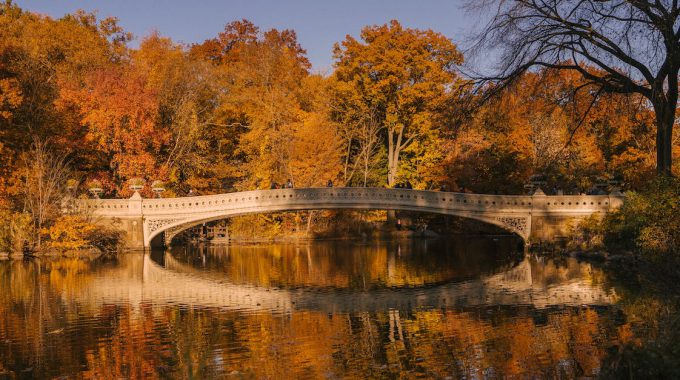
[
  {"x": 121, "y": 111},
  {"x": 241, "y": 110}
]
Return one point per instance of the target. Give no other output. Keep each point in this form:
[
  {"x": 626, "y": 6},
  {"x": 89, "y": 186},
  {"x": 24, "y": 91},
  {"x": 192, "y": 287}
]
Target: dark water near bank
[{"x": 474, "y": 308}]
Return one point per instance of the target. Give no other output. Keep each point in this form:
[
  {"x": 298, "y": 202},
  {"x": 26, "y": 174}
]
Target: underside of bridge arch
[
  {"x": 516, "y": 224},
  {"x": 169, "y": 234}
]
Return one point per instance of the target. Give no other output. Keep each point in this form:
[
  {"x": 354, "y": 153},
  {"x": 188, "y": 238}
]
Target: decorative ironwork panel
[
  {"x": 156, "y": 224},
  {"x": 518, "y": 224}
]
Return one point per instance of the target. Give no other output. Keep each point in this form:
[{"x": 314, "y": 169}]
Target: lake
[{"x": 473, "y": 307}]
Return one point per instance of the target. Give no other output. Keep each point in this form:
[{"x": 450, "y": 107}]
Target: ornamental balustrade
[{"x": 511, "y": 212}]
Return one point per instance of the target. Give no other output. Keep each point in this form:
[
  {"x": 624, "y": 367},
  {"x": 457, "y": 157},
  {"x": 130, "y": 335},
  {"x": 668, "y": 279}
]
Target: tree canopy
[
  {"x": 617, "y": 46},
  {"x": 242, "y": 111}
]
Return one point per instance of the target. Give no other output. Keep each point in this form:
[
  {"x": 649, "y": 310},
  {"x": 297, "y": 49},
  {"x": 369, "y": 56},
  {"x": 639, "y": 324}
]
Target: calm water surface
[{"x": 473, "y": 308}]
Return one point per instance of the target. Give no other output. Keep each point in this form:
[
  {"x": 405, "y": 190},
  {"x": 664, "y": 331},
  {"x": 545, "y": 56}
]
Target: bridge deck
[{"x": 512, "y": 212}]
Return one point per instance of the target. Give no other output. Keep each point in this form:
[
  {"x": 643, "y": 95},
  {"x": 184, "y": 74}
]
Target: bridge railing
[
  {"x": 112, "y": 207},
  {"x": 358, "y": 197}
]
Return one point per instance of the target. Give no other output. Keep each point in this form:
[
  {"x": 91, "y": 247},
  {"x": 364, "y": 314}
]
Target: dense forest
[{"x": 244, "y": 110}]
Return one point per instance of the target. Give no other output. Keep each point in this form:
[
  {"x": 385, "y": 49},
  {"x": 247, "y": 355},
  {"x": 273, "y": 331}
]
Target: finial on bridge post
[
  {"x": 95, "y": 188},
  {"x": 538, "y": 192},
  {"x": 534, "y": 185},
  {"x": 158, "y": 187},
  {"x": 135, "y": 185}
]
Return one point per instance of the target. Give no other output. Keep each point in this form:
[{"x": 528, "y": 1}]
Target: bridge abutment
[
  {"x": 134, "y": 231},
  {"x": 546, "y": 228}
]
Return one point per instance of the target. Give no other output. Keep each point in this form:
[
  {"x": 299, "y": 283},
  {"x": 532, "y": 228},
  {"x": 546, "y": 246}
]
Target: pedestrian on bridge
[
  {"x": 329, "y": 183},
  {"x": 289, "y": 184}
]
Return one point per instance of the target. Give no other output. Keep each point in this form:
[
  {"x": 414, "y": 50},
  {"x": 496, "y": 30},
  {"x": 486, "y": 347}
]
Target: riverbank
[
  {"x": 644, "y": 232},
  {"x": 67, "y": 233},
  {"x": 85, "y": 253}
]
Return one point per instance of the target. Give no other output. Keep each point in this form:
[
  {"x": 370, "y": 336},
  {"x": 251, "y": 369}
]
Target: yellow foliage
[
  {"x": 70, "y": 232},
  {"x": 15, "y": 229}
]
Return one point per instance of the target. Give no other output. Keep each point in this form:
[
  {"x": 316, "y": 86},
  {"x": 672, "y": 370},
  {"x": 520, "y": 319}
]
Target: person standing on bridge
[
  {"x": 329, "y": 183},
  {"x": 289, "y": 184}
]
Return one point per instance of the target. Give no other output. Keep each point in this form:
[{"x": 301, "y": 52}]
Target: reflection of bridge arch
[
  {"x": 175, "y": 283},
  {"x": 527, "y": 216}
]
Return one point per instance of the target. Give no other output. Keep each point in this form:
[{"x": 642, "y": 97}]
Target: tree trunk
[
  {"x": 366, "y": 164},
  {"x": 309, "y": 221},
  {"x": 391, "y": 172},
  {"x": 665, "y": 120},
  {"x": 390, "y": 158},
  {"x": 393, "y": 151}
]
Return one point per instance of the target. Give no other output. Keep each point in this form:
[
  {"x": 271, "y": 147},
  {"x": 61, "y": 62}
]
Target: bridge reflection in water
[
  {"x": 466, "y": 308},
  {"x": 163, "y": 278}
]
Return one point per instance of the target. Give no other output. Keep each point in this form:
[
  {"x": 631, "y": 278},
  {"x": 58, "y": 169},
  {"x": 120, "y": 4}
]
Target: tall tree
[
  {"x": 633, "y": 44},
  {"x": 525, "y": 129},
  {"x": 402, "y": 74},
  {"x": 359, "y": 129},
  {"x": 120, "y": 110},
  {"x": 44, "y": 175},
  {"x": 261, "y": 76},
  {"x": 42, "y": 61},
  {"x": 187, "y": 96}
]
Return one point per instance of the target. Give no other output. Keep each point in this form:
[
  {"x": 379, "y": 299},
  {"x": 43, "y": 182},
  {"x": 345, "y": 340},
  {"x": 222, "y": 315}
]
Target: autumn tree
[
  {"x": 633, "y": 44},
  {"x": 42, "y": 59},
  {"x": 44, "y": 174},
  {"x": 543, "y": 123},
  {"x": 402, "y": 74},
  {"x": 261, "y": 76},
  {"x": 315, "y": 147},
  {"x": 187, "y": 97},
  {"x": 120, "y": 110},
  {"x": 148, "y": 115},
  {"x": 359, "y": 128}
]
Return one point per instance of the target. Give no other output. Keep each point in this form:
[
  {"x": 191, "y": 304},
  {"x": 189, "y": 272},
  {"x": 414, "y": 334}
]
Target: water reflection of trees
[
  {"x": 47, "y": 332},
  {"x": 345, "y": 264},
  {"x": 161, "y": 341}
]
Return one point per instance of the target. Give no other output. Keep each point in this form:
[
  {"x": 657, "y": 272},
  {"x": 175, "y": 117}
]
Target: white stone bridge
[{"x": 149, "y": 222}]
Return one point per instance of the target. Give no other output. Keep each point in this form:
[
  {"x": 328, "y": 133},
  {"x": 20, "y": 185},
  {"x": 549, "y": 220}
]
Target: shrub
[
  {"x": 106, "y": 240},
  {"x": 588, "y": 234},
  {"x": 70, "y": 232},
  {"x": 15, "y": 231},
  {"x": 648, "y": 222}
]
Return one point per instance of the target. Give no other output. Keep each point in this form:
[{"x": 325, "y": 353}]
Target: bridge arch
[
  {"x": 517, "y": 225},
  {"x": 527, "y": 216}
]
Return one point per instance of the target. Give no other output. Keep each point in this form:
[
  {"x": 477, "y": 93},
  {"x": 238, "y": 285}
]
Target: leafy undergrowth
[
  {"x": 73, "y": 232},
  {"x": 646, "y": 225}
]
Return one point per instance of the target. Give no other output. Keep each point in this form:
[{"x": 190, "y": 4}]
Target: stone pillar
[
  {"x": 536, "y": 224},
  {"x": 134, "y": 226}
]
